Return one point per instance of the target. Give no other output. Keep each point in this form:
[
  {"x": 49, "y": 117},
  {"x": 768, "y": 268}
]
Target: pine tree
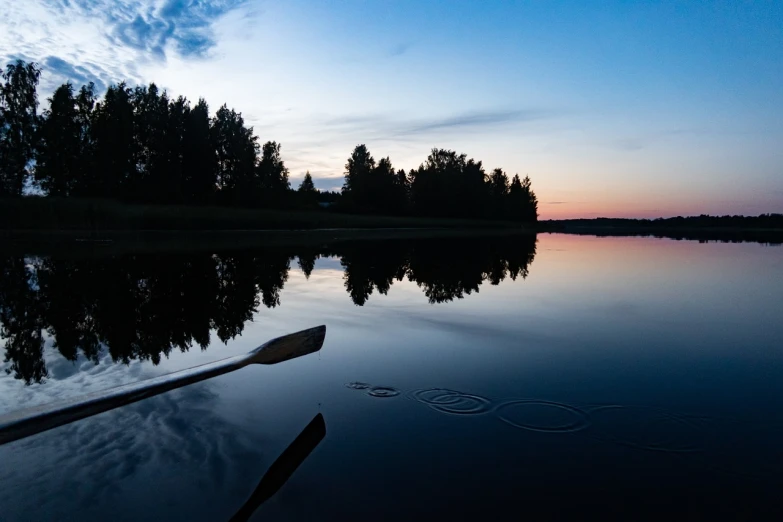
[
  {"x": 237, "y": 153},
  {"x": 18, "y": 116},
  {"x": 531, "y": 201},
  {"x": 307, "y": 186},
  {"x": 199, "y": 161},
  {"x": 112, "y": 134},
  {"x": 58, "y": 149}
]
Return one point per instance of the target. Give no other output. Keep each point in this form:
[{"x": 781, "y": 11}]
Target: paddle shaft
[
  {"x": 24, "y": 423},
  {"x": 34, "y": 420}
]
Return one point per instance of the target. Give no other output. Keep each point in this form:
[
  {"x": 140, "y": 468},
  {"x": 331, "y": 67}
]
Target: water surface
[{"x": 557, "y": 377}]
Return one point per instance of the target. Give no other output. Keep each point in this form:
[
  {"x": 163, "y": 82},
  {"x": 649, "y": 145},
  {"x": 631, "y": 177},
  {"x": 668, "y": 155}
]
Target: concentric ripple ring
[
  {"x": 383, "y": 391},
  {"x": 452, "y": 402},
  {"x": 580, "y": 421}
]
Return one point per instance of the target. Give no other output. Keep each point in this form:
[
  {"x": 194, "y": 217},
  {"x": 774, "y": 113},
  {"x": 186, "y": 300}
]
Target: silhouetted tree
[
  {"x": 237, "y": 151},
  {"x": 172, "y": 184},
  {"x": 373, "y": 188},
  {"x": 498, "y": 187},
  {"x": 357, "y": 172},
  {"x": 530, "y": 202},
  {"x": 18, "y": 115},
  {"x": 85, "y": 107},
  {"x": 447, "y": 185},
  {"x": 385, "y": 195},
  {"x": 58, "y": 157},
  {"x": 64, "y": 149},
  {"x": 402, "y": 189},
  {"x": 114, "y": 166},
  {"x": 199, "y": 161},
  {"x": 273, "y": 175},
  {"x": 307, "y": 193},
  {"x": 307, "y": 186},
  {"x": 150, "y": 115}
]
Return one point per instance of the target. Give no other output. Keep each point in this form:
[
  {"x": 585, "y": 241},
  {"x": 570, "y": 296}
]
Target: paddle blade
[{"x": 289, "y": 346}]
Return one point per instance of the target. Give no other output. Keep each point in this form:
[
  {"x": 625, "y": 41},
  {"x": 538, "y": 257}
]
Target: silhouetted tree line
[
  {"x": 447, "y": 184},
  {"x": 769, "y": 221},
  {"x": 764, "y": 228},
  {"x": 134, "y": 144},
  {"x": 144, "y": 306},
  {"x": 140, "y": 145}
]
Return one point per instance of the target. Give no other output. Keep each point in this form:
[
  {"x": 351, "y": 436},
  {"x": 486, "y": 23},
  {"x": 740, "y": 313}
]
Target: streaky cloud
[
  {"x": 381, "y": 126},
  {"x": 476, "y": 119}
]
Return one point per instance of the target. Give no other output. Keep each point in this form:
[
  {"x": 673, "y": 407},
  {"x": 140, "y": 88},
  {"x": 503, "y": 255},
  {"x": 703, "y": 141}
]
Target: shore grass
[{"x": 96, "y": 216}]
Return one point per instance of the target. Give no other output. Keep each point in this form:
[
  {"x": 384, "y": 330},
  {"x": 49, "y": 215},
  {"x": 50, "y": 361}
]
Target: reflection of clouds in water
[
  {"x": 68, "y": 379},
  {"x": 168, "y": 452},
  {"x": 468, "y": 325},
  {"x": 329, "y": 263}
]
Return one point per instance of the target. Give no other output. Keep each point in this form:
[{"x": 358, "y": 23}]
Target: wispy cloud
[
  {"x": 475, "y": 120},
  {"x": 381, "y": 126}
]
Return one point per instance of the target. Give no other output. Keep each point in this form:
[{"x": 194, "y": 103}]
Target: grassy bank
[
  {"x": 77, "y": 244},
  {"x": 53, "y": 215}
]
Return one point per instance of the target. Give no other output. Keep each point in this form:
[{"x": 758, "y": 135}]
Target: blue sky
[{"x": 612, "y": 108}]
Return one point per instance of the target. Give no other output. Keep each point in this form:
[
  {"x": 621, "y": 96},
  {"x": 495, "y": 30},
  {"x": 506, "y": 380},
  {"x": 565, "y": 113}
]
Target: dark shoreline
[
  {"x": 771, "y": 236},
  {"x": 76, "y": 243},
  {"x": 24, "y": 215}
]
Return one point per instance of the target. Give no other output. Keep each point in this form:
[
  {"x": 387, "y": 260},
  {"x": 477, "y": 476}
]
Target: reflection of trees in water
[
  {"x": 445, "y": 269},
  {"x": 371, "y": 267},
  {"x": 22, "y": 321},
  {"x": 144, "y": 306}
]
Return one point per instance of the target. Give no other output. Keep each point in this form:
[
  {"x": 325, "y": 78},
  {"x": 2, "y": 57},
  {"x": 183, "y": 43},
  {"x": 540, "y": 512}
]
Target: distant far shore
[{"x": 765, "y": 228}]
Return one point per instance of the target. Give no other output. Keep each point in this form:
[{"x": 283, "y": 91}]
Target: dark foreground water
[{"x": 567, "y": 377}]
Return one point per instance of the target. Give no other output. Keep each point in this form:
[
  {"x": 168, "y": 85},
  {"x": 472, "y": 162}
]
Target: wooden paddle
[{"x": 23, "y": 423}]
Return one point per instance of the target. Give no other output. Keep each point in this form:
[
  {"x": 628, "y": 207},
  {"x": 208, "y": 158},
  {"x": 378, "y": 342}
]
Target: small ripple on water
[
  {"x": 383, "y": 391},
  {"x": 452, "y": 402},
  {"x": 577, "y": 421},
  {"x": 358, "y": 385}
]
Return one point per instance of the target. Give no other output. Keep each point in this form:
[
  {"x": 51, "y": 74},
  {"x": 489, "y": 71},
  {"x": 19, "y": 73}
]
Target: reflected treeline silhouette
[
  {"x": 138, "y": 307},
  {"x": 442, "y": 271},
  {"x": 141, "y": 307},
  {"x": 764, "y": 237}
]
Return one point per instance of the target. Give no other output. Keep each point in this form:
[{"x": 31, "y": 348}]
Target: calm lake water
[{"x": 516, "y": 378}]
